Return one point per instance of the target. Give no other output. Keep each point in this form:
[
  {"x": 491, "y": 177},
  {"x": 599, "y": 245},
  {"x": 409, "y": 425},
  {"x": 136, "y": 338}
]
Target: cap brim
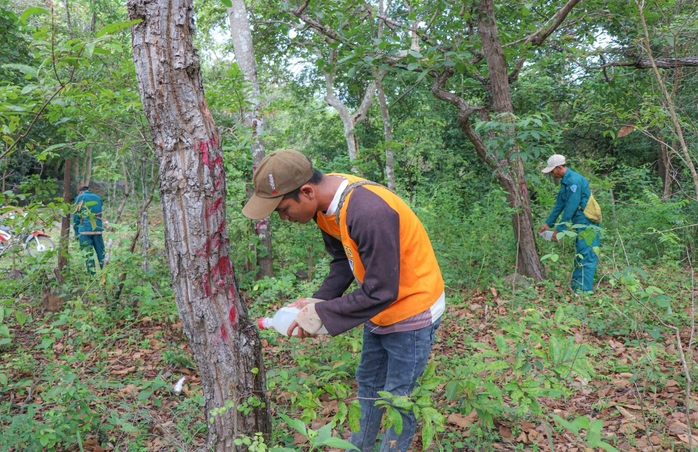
[
  {"x": 545, "y": 170},
  {"x": 258, "y": 207}
]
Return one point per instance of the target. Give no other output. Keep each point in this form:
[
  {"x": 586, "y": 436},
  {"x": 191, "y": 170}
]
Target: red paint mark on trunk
[
  {"x": 215, "y": 206},
  {"x": 204, "y": 147},
  {"x": 224, "y": 332},
  {"x": 261, "y": 225},
  {"x": 232, "y": 315},
  {"x": 206, "y": 287},
  {"x": 524, "y": 189},
  {"x": 219, "y": 181},
  {"x": 221, "y": 227},
  {"x": 225, "y": 267}
]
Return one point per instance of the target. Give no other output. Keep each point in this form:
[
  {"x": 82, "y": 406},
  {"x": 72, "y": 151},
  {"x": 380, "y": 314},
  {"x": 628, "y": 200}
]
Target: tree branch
[
  {"x": 541, "y": 35},
  {"x": 324, "y": 31}
]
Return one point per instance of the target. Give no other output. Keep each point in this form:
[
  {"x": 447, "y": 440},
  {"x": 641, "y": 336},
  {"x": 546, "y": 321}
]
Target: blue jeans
[
  {"x": 390, "y": 362},
  {"x": 585, "y": 261}
]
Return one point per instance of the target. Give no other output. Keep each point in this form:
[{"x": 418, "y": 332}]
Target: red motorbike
[{"x": 34, "y": 242}]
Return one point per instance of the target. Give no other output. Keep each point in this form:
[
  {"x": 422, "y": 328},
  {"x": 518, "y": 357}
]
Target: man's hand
[
  {"x": 554, "y": 237},
  {"x": 307, "y": 321},
  {"x": 301, "y": 332},
  {"x": 543, "y": 228}
]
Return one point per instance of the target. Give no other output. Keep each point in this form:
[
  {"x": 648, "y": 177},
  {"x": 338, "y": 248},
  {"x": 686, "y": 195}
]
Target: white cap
[{"x": 554, "y": 161}]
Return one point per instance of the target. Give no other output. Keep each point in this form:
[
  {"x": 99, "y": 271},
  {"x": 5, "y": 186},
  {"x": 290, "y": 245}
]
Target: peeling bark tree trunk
[
  {"x": 192, "y": 188},
  {"x": 244, "y": 54}
]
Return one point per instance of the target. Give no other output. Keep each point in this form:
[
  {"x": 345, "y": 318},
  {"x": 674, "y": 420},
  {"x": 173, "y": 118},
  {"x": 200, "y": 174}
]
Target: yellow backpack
[{"x": 593, "y": 210}]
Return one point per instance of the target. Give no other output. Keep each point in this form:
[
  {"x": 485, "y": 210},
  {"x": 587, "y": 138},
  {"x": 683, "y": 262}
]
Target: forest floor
[{"x": 637, "y": 414}]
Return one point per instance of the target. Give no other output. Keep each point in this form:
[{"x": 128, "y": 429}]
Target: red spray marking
[
  {"x": 204, "y": 251},
  {"x": 232, "y": 315},
  {"x": 224, "y": 332},
  {"x": 261, "y": 224},
  {"x": 219, "y": 181},
  {"x": 524, "y": 189},
  {"x": 221, "y": 228},
  {"x": 206, "y": 287},
  {"x": 223, "y": 267},
  {"x": 204, "y": 152},
  {"x": 215, "y": 206},
  {"x": 203, "y": 148}
]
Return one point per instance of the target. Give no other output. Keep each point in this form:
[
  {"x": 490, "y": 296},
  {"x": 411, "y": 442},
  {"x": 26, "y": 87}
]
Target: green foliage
[
  {"x": 531, "y": 136},
  {"x": 317, "y": 438},
  {"x": 593, "y": 428},
  {"x": 532, "y": 360},
  {"x": 420, "y": 402},
  {"x": 472, "y": 248}
]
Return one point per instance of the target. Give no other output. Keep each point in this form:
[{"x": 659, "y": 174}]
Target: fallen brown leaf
[{"x": 463, "y": 421}]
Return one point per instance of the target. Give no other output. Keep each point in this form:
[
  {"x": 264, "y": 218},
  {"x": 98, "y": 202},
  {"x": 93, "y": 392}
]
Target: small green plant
[
  {"x": 250, "y": 404},
  {"x": 592, "y": 436},
  {"x": 254, "y": 444},
  {"x": 317, "y": 438}
]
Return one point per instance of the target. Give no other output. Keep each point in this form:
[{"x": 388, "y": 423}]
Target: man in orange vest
[{"x": 375, "y": 240}]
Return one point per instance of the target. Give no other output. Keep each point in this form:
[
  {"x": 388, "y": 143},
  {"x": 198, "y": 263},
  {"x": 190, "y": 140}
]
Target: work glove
[
  {"x": 303, "y": 302},
  {"x": 308, "y": 319}
]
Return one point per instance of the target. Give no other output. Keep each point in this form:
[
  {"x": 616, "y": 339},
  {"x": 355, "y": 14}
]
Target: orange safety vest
[{"x": 421, "y": 283}]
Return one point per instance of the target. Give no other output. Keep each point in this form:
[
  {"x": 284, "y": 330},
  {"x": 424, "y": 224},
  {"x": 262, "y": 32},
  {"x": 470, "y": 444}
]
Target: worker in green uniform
[
  {"x": 571, "y": 201},
  {"x": 87, "y": 224}
]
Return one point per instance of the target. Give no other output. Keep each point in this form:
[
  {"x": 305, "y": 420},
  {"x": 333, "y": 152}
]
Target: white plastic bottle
[
  {"x": 282, "y": 320},
  {"x": 547, "y": 235}
]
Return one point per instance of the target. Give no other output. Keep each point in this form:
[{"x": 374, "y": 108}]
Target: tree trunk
[
  {"x": 65, "y": 223},
  {"x": 225, "y": 344},
  {"x": 349, "y": 120},
  {"x": 244, "y": 54},
  {"x": 511, "y": 174}
]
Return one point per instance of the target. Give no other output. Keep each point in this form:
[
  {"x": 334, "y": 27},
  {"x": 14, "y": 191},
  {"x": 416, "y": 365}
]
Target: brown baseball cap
[{"x": 279, "y": 173}]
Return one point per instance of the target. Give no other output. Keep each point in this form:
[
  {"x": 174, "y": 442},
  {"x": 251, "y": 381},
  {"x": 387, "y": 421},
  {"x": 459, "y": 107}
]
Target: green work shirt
[
  {"x": 571, "y": 200},
  {"x": 88, "y": 213}
]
